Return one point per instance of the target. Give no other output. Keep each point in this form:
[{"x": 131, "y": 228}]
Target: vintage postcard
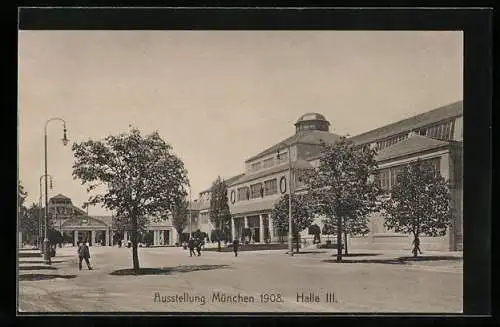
[{"x": 194, "y": 171}]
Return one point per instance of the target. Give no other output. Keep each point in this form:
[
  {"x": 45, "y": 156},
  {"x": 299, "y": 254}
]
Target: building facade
[
  {"x": 436, "y": 135},
  {"x": 75, "y": 224}
]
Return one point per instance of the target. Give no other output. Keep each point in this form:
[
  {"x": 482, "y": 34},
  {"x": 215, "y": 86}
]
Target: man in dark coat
[
  {"x": 83, "y": 254},
  {"x": 199, "y": 243},
  {"x": 191, "y": 247},
  {"x": 235, "y": 247}
]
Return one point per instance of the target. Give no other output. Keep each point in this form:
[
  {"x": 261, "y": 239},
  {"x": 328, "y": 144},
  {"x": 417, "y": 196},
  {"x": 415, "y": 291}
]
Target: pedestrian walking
[
  {"x": 416, "y": 246},
  {"x": 83, "y": 254},
  {"x": 199, "y": 244},
  {"x": 191, "y": 247},
  {"x": 235, "y": 247}
]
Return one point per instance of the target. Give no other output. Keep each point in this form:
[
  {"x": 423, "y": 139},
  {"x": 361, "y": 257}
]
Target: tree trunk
[
  {"x": 416, "y": 245},
  {"x": 339, "y": 239},
  {"x": 345, "y": 242},
  {"x": 135, "y": 255},
  {"x": 297, "y": 242}
]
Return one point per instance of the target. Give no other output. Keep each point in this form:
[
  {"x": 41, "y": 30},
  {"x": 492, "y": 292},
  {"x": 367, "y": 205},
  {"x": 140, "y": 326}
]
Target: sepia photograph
[{"x": 258, "y": 171}]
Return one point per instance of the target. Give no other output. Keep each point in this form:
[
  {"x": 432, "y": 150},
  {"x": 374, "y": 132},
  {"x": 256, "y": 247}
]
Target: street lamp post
[
  {"x": 190, "y": 214},
  {"x": 290, "y": 245},
  {"x": 40, "y": 211},
  {"x": 46, "y": 253}
]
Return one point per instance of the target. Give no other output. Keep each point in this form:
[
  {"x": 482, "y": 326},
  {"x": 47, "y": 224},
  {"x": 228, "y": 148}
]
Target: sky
[{"x": 219, "y": 97}]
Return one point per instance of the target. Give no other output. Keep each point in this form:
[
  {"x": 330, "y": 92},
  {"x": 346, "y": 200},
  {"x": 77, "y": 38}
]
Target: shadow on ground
[
  {"x": 35, "y": 277},
  {"x": 37, "y": 268},
  {"x": 309, "y": 252},
  {"x": 39, "y": 261},
  {"x": 353, "y": 255},
  {"x": 167, "y": 270},
  {"x": 29, "y": 255},
  {"x": 398, "y": 261}
]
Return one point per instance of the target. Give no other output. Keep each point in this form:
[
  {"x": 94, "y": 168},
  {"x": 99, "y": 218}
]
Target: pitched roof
[
  {"x": 108, "y": 220},
  {"x": 228, "y": 181},
  {"x": 300, "y": 164},
  {"x": 252, "y": 206},
  {"x": 445, "y": 112},
  {"x": 60, "y": 196},
  {"x": 308, "y": 137},
  {"x": 233, "y": 179},
  {"x": 414, "y": 144}
]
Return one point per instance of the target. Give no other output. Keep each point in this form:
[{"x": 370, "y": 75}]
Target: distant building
[
  {"x": 73, "y": 221},
  {"x": 436, "y": 135}
]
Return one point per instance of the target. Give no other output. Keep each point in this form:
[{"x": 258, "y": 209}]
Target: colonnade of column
[{"x": 262, "y": 226}]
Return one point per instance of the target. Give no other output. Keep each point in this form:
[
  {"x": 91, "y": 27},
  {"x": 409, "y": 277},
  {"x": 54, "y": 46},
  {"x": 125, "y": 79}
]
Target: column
[
  {"x": 246, "y": 222},
  {"x": 233, "y": 233},
  {"x": 75, "y": 237},
  {"x": 125, "y": 236},
  {"x": 271, "y": 227},
  {"x": 261, "y": 229},
  {"x": 155, "y": 237},
  {"x": 162, "y": 237},
  {"x": 111, "y": 236},
  {"x": 92, "y": 237}
]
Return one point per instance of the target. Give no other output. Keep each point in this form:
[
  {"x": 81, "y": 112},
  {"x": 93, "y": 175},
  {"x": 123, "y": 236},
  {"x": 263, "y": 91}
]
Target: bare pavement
[{"x": 259, "y": 281}]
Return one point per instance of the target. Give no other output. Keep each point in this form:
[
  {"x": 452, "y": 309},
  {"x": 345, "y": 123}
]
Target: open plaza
[{"x": 254, "y": 281}]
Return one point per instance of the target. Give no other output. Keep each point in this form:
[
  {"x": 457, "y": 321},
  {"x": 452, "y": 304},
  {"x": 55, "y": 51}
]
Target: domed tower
[{"x": 312, "y": 122}]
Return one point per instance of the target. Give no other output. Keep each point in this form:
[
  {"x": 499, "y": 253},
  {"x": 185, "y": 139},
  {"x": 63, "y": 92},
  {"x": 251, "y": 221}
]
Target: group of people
[{"x": 195, "y": 243}]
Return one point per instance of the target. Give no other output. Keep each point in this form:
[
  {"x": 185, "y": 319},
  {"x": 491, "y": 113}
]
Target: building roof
[
  {"x": 108, "y": 220},
  {"x": 297, "y": 164},
  {"x": 308, "y": 137},
  {"x": 228, "y": 181},
  {"x": 311, "y": 116},
  {"x": 445, "y": 112},
  {"x": 60, "y": 196},
  {"x": 413, "y": 144},
  {"x": 233, "y": 179},
  {"x": 252, "y": 206}
]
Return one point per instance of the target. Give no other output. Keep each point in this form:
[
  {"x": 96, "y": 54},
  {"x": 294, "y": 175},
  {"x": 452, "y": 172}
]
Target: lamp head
[{"x": 65, "y": 138}]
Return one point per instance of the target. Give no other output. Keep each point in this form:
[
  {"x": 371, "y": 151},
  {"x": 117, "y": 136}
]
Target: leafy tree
[
  {"x": 343, "y": 186},
  {"x": 419, "y": 203},
  {"x": 141, "y": 177},
  {"x": 21, "y": 209},
  {"x": 29, "y": 222},
  {"x": 54, "y": 236},
  {"x": 316, "y": 231},
  {"x": 180, "y": 215},
  {"x": 302, "y": 215},
  {"x": 219, "y": 213},
  {"x": 21, "y": 197}
]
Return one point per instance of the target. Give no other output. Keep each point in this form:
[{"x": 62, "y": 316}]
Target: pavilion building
[{"x": 435, "y": 136}]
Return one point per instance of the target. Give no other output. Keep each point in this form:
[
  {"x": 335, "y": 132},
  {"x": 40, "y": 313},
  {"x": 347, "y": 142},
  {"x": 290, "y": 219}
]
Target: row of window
[
  {"x": 258, "y": 190},
  {"x": 204, "y": 217},
  {"x": 442, "y": 131},
  {"x": 270, "y": 162},
  {"x": 387, "y": 177},
  {"x": 390, "y": 142}
]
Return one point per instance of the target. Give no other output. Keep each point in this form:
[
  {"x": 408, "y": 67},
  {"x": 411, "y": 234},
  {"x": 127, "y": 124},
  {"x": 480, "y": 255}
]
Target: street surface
[{"x": 369, "y": 281}]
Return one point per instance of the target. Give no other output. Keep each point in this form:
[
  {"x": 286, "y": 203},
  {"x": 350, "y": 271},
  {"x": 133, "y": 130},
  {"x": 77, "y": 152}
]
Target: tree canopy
[
  {"x": 135, "y": 176},
  {"x": 419, "y": 202},
  {"x": 219, "y": 213},
  {"x": 180, "y": 215},
  {"x": 302, "y": 215},
  {"x": 21, "y": 198},
  {"x": 343, "y": 188}
]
